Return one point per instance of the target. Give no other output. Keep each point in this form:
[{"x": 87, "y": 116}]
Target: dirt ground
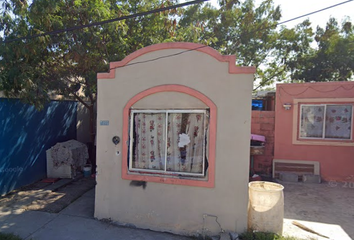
[
  {"x": 326, "y": 208},
  {"x": 44, "y": 197}
]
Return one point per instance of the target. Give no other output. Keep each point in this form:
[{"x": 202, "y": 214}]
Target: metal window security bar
[
  {"x": 165, "y": 171},
  {"x": 324, "y": 121}
]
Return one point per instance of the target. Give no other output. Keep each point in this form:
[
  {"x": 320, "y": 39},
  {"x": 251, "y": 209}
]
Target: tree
[
  {"x": 333, "y": 60},
  {"x": 238, "y": 28},
  {"x": 66, "y": 64}
]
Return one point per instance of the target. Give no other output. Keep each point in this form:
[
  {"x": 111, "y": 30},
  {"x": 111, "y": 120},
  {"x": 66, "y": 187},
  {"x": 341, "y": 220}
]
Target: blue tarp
[
  {"x": 257, "y": 104},
  {"x": 25, "y": 135}
]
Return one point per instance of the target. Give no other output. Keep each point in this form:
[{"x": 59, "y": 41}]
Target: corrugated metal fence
[{"x": 25, "y": 135}]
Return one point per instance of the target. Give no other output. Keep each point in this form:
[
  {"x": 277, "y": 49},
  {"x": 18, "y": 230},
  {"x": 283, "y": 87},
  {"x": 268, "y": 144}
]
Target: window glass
[
  {"x": 338, "y": 121},
  {"x": 185, "y": 142},
  {"x": 149, "y": 142},
  {"x": 326, "y": 121},
  {"x": 168, "y": 141},
  {"x": 312, "y": 121}
]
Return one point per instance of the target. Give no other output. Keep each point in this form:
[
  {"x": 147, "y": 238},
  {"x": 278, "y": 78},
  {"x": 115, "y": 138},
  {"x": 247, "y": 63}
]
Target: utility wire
[
  {"x": 171, "y": 55},
  {"x": 320, "y": 10},
  {"x": 158, "y": 58},
  {"x": 295, "y": 18},
  {"x": 156, "y": 11},
  {"x": 106, "y": 21},
  {"x": 147, "y": 13}
]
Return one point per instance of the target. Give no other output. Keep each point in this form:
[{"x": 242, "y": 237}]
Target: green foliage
[
  {"x": 333, "y": 60},
  {"x": 264, "y": 236},
  {"x": 239, "y": 28},
  {"x": 9, "y": 236},
  {"x": 67, "y": 63},
  {"x": 34, "y": 69}
]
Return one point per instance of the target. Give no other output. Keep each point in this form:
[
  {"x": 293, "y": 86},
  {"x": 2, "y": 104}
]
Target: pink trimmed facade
[
  {"x": 176, "y": 76},
  {"x": 230, "y": 59},
  {"x": 335, "y": 156}
]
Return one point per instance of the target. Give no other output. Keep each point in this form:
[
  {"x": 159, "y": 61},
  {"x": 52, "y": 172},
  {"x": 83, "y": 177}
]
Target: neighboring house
[
  {"x": 182, "y": 113},
  {"x": 314, "y": 125}
]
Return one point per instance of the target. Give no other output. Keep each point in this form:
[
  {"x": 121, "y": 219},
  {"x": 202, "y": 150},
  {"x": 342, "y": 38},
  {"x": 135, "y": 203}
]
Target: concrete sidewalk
[{"x": 72, "y": 223}]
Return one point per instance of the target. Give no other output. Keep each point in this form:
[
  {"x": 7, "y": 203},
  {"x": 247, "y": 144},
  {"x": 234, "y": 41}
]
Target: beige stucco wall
[
  {"x": 177, "y": 208},
  {"x": 164, "y": 100}
]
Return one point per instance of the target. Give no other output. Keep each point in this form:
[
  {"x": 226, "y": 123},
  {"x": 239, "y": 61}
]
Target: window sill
[
  {"x": 343, "y": 143},
  {"x": 178, "y": 180}
]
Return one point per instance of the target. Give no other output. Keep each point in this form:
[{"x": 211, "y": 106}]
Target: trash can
[
  {"x": 265, "y": 207},
  {"x": 87, "y": 170}
]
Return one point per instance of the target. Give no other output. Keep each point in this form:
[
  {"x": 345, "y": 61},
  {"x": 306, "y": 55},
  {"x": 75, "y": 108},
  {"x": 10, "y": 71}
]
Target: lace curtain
[
  {"x": 338, "y": 121},
  {"x": 312, "y": 121},
  {"x": 184, "y": 142},
  {"x": 330, "y": 121},
  {"x": 149, "y": 145}
]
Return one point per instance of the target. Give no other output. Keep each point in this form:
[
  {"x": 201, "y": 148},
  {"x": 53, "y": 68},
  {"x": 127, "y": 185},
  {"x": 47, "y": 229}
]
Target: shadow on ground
[
  {"x": 42, "y": 197},
  {"x": 326, "y": 208}
]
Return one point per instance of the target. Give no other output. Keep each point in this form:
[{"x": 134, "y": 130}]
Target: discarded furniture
[{"x": 64, "y": 159}]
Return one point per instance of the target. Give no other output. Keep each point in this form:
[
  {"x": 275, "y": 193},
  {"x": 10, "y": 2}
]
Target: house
[
  {"x": 314, "y": 129},
  {"x": 173, "y": 135}
]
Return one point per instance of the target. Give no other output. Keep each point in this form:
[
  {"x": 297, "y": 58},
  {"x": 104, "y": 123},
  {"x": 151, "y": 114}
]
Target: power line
[
  {"x": 106, "y": 21},
  {"x": 157, "y": 11},
  {"x": 317, "y": 11},
  {"x": 147, "y": 13},
  {"x": 295, "y": 18},
  {"x": 172, "y": 55},
  {"x": 158, "y": 58}
]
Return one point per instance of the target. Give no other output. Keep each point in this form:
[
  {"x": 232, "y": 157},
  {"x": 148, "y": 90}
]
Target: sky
[{"x": 294, "y": 8}]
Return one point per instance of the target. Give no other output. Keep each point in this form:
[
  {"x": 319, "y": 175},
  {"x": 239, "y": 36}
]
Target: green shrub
[
  {"x": 9, "y": 236},
  {"x": 264, "y": 236}
]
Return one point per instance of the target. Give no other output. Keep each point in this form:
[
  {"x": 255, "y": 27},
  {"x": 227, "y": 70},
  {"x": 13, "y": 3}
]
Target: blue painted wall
[{"x": 25, "y": 135}]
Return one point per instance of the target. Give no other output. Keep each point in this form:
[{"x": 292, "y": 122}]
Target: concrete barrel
[{"x": 265, "y": 207}]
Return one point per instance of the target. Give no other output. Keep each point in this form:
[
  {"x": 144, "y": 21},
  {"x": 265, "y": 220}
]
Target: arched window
[{"x": 168, "y": 145}]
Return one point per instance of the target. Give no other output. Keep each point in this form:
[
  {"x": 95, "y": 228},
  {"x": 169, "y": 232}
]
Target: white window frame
[
  {"x": 165, "y": 172},
  {"x": 324, "y": 122}
]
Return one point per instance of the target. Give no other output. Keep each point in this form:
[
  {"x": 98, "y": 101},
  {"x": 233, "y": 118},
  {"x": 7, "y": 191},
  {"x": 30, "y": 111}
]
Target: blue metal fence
[{"x": 25, "y": 135}]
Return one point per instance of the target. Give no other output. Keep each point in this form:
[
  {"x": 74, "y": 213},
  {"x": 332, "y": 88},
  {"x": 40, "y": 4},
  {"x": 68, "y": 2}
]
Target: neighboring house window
[
  {"x": 326, "y": 121},
  {"x": 168, "y": 142}
]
